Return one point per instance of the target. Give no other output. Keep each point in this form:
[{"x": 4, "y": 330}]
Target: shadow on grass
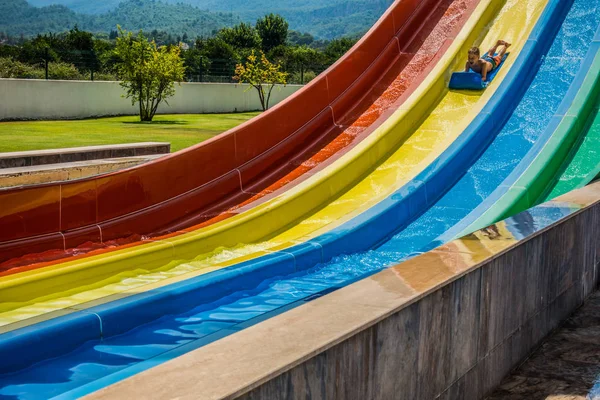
[{"x": 156, "y": 122}]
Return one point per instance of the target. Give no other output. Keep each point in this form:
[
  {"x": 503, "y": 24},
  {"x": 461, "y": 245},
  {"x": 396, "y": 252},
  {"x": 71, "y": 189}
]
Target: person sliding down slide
[{"x": 489, "y": 62}]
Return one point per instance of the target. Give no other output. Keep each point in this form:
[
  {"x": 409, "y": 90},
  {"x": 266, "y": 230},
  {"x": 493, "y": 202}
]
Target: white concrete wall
[{"x": 40, "y": 99}]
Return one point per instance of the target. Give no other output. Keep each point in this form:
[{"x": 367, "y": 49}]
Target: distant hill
[
  {"x": 81, "y": 6},
  {"x": 18, "y": 17},
  {"x": 325, "y": 19}
]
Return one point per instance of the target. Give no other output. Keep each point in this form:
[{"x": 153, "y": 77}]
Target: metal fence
[
  {"x": 89, "y": 66},
  {"x": 223, "y": 71}
]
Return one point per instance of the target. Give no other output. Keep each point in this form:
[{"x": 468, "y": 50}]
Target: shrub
[
  {"x": 64, "y": 71},
  {"x": 10, "y": 68},
  {"x": 296, "y": 77}
]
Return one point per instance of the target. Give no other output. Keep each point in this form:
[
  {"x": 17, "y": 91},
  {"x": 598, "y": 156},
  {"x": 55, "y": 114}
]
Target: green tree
[
  {"x": 77, "y": 48},
  {"x": 304, "y": 59},
  {"x": 147, "y": 72},
  {"x": 297, "y": 38},
  {"x": 273, "y": 31},
  {"x": 241, "y": 36},
  {"x": 216, "y": 48},
  {"x": 219, "y": 57},
  {"x": 337, "y": 48},
  {"x": 196, "y": 63},
  {"x": 262, "y": 75}
]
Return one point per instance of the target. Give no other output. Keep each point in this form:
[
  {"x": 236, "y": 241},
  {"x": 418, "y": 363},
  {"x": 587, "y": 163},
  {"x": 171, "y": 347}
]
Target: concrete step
[
  {"x": 23, "y": 176},
  {"x": 74, "y": 154}
]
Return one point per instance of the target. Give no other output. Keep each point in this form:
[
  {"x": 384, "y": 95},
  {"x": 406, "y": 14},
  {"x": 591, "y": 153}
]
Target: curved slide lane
[
  {"x": 541, "y": 168},
  {"x": 582, "y": 165},
  {"x": 529, "y": 130},
  {"x": 338, "y": 275},
  {"x": 209, "y": 182},
  {"x": 68, "y": 287}
]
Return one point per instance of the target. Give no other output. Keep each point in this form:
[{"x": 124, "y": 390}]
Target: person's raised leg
[{"x": 500, "y": 48}]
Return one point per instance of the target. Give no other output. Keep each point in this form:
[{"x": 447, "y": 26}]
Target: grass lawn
[{"x": 180, "y": 130}]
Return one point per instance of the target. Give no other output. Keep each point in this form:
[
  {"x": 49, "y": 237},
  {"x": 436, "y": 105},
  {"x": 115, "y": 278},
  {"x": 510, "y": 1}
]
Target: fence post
[
  {"x": 46, "y": 56},
  {"x": 201, "y": 68}
]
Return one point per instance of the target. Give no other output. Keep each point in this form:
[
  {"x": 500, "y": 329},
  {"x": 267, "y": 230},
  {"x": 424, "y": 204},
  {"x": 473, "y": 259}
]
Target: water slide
[
  {"x": 321, "y": 202},
  {"x": 241, "y": 168},
  {"x": 64, "y": 288},
  {"x": 419, "y": 207}
]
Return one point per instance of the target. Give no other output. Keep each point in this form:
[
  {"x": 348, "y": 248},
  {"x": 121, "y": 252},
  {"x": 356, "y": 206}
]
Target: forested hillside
[
  {"x": 324, "y": 19},
  {"x": 17, "y": 17}
]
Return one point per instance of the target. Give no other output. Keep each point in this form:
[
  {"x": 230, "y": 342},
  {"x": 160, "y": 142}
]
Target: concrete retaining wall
[
  {"x": 40, "y": 99},
  {"x": 461, "y": 340}
]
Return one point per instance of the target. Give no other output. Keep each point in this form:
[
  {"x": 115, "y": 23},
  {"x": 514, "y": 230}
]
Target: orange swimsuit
[{"x": 495, "y": 60}]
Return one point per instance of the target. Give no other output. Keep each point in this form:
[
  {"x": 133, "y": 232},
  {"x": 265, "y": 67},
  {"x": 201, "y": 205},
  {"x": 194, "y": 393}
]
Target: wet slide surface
[
  {"x": 225, "y": 315},
  {"x": 362, "y": 98},
  {"x": 413, "y": 155},
  {"x": 420, "y": 49},
  {"x": 525, "y": 127},
  {"x": 541, "y": 165},
  {"x": 583, "y": 162}
]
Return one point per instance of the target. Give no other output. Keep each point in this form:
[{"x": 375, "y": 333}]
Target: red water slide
[{"x": 209, "y": 181}]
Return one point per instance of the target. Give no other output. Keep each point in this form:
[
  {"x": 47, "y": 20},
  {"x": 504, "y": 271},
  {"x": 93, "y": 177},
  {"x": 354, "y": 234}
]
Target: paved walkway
[{"x": 566, "y": 366}]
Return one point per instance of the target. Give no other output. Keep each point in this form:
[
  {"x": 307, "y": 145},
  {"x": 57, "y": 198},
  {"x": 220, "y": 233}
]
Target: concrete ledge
[
  {"x": 448, "y": 324},
  {"x": 73, "y": 154},
  {"x": 22, "y": 176}
]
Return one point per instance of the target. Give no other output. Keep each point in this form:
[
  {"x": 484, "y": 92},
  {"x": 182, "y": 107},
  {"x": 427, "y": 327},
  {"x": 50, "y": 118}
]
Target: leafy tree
[
  {"x": 337, "y": 48},
  {"x": 273, "y": 31},
  {"x": 196, "y": 63},
  {"x": 262, "y": 75},
  {"x": 78, "y": 48},
  {"x": 300, "y": 39},
  {"x": 79, "y": 40},
  {"x": 241, "y": 36},
  {"x": 147, "y": 72},
  {"x": 305, "y": 58},
  {"x": 107, "y": 58},
  {"x": 218, "y": 48}
]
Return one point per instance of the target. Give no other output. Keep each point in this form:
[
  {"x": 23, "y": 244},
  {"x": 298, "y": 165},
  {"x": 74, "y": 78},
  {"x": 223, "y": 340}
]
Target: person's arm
[
  {"x": 467, "y": 67},
  {"x": 484, "y": 72}
]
